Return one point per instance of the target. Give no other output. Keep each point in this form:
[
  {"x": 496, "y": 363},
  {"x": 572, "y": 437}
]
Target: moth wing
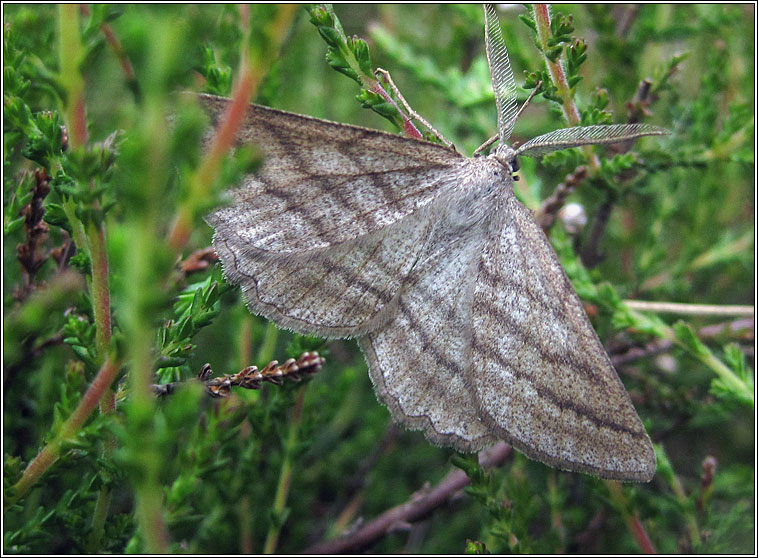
[
  {"x": 337, "y": 291},
  {"x": 323, "y": 235},
  {"x": 420, "y": 359},
  {"x": 324, "y": 183},
  {"x": 543, "y": 380}
]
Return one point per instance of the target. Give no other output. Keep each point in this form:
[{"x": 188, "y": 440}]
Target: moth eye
[{"x": 515, "y": 165}]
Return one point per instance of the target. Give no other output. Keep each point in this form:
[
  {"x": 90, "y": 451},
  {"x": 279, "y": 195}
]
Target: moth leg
[
  {"x": 528, "y": 100},
  {"x": 494, "y": 138},
  {"x": 485, "y": 145},
  {"x": 411, "y": 113}
]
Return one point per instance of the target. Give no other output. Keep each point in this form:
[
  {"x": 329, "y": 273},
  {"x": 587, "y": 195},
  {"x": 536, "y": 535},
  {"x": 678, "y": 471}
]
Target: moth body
[{"x": 471, "y": 329}]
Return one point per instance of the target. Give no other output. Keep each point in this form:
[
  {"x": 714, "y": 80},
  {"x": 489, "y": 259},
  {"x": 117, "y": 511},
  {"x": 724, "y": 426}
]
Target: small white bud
[
  {"x": 573, "y": 217},
  {"x": 667, "y": 363}
]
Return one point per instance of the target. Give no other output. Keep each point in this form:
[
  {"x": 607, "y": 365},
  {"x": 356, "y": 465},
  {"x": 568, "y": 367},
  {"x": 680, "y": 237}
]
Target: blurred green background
[{"x": 681, "y": 229}]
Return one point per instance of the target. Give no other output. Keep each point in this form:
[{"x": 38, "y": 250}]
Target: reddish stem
[
  {"x": 639, "y": 532},
  {"x": 542, "y": 14},
  {"x": 408, "y": 128},
  {"x": 50, "y": 453},
  {"x": 222, "y": 143}
]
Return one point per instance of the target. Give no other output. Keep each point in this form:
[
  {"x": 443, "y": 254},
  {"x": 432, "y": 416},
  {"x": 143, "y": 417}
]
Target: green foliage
[
  {"x": 215, "y": 472},
  {"x": 195, "y": 308},
  {"x": 350, "y": 56}
]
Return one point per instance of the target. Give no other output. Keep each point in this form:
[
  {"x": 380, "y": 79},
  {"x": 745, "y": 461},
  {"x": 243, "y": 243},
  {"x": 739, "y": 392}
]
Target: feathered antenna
[
  {"x": 508, "y": 112},
  {"x": 503, "y": 83},
  {"x": 586, "y": 135}
]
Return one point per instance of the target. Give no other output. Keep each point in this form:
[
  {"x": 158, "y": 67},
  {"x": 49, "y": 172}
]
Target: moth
[{"x": 470, "y": 327}]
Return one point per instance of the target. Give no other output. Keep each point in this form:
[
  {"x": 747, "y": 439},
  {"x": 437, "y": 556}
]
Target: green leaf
[
  {"x": 528, "y": 21},
  {"x": 362, "y": 55},
  {"x": 688, "y": 337},
  {"x": 55, "y": 215},
  {"x": 14, "y": 225}
]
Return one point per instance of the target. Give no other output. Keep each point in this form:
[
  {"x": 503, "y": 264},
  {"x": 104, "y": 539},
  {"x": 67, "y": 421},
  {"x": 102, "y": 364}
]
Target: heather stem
[
  {"x": 91, "y": 240},
  {"x": 252, "y": 70},
  {"x": 558, "y": 75},
  {"x": 285, "y": 474},
  {"x": 50, "y": 453},
  {"x": 632, "y": 520},
  {"x": 71, "y": 53}
]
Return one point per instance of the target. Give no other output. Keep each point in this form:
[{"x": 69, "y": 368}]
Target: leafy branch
[{"x": 350, "y": 56}]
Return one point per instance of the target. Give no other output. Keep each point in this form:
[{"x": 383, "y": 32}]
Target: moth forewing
[{"x": 318, "y": 238}]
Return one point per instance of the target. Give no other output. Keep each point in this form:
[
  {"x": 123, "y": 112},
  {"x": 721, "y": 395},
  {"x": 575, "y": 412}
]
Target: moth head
[{"x": 507, "y": 158}]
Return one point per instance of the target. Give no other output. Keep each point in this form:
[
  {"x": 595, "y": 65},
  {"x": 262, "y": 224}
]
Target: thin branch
[
  {"x": 590, "y": 254},
  {"x": 692, "y": 309},
  {"x": 693, "y": 531},
  {"x": 639, "y": 106},
  {"x": 631, "y": 516},
  {"x": 62, "y": 254},
  {"x": 741, "y": 387},
  {"x": 355, "y": 484},
  {"x": 625, "y": 18},
  {"x": 71, "y": 52},
  {"x": 118, "y": 50},
  {"x": 640, "y": 534},
  {"x": 420, "y": 505},
  {"x": 50, "y": 453},
  {"x": 740, "y": 328}
]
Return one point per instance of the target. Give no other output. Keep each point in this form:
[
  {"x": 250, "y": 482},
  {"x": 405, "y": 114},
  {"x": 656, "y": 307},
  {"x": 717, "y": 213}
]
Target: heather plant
[{"x": 134, "y": 420}]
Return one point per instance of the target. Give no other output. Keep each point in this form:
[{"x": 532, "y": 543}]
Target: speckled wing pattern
[{"x": 421, "y": 360}]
